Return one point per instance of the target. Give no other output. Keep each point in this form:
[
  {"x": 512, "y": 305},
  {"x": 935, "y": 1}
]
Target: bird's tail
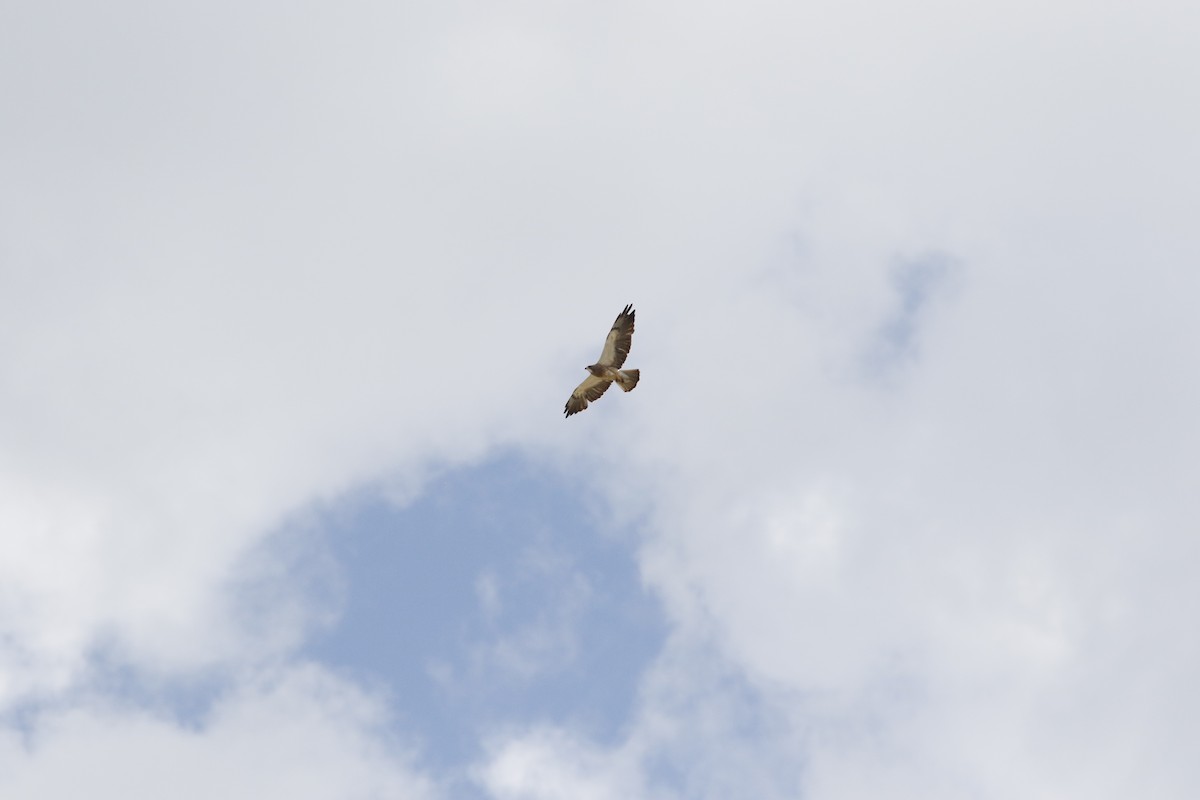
[{"x": 628, "y": 378}]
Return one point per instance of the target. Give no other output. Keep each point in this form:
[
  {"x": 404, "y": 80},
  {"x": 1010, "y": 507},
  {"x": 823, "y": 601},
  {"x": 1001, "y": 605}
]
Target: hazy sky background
[{"x": 905, "y": 504}]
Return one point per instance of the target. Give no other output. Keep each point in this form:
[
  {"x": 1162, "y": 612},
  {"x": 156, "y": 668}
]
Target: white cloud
[
  {"x": 955, "y": 565},
  {"x": 700, "y": 731},
  {"x": 253, "y": 258},
  {"x": 300, "y": 734},
  {"x": 550, "y": 764}
]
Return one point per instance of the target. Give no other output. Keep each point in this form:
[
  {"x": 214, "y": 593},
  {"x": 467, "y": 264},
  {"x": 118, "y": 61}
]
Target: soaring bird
[{"x": 607, "y": 369}]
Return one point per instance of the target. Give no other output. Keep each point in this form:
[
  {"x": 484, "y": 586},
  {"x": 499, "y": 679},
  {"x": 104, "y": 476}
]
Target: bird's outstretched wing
[
  {"x": 591, "y": 389},
  {"x": 620, "y": 339}
]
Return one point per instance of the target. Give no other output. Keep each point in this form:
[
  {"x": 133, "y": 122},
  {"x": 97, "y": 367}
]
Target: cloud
[
  {"x": 700, "y": 730},
  {"x": 301, "y": 733},
  {"x": 924, "y": 581},
  {"x": 253, "y": 260},
  {"x": 549, "y": 763}
]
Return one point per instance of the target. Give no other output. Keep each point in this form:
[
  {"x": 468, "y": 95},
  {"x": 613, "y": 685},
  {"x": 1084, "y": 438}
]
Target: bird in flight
[{"x": 607, "y": 369}]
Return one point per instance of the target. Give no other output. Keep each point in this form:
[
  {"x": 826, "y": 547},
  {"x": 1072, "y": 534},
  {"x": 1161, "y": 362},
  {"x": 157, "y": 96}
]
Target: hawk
[{"x": 607, "y": 369}]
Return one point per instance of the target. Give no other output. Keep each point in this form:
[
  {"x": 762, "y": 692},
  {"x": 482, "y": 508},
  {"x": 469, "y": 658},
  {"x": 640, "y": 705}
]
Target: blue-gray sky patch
[
  {"x": 916, "y": 283},
  {"x": 495, "y": 599}
]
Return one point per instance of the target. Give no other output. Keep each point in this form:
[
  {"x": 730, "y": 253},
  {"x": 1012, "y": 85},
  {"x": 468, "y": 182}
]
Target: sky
[{"x": 291, "y": 296}]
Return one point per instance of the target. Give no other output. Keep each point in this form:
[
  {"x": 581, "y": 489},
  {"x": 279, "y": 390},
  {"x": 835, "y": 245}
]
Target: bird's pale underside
[{"x": 607, "y": 369}]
